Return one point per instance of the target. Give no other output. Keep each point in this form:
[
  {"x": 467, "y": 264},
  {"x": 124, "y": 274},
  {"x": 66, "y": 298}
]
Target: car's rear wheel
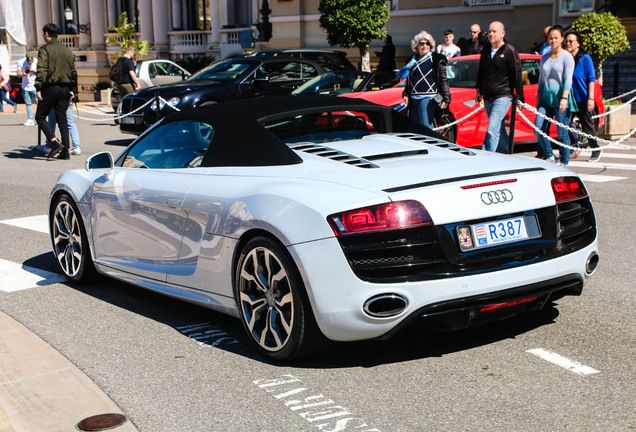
[
  {"x": 70, "y": 243},
  {"x": 274, "y": 307},
  {"x": 584, "y": 142}
]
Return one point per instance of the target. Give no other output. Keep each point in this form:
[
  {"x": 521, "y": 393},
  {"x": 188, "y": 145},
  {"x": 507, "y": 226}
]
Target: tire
[
  {"x": 69, "y": 240},
  {"x": 583, "y": 141},
  {"x": 272, "y": 301},
  {"x": 442, "y": 118}
]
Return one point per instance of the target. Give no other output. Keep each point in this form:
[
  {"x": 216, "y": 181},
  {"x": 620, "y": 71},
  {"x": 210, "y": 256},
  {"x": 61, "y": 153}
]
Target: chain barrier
[
  {"x": 620, "y": 96},
  {"x": 165, "y": 102},
  {"x": 111, "y": 117},
  {"x": 461, "y": 120},
  {"x": 573, "y": 130},
  {"x": 532, "y": 109},
  {"x": 619, "y": 107}
]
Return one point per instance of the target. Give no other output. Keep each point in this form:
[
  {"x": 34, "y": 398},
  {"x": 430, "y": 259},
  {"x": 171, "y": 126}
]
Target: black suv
[
  {"x": 225, "y": 80},
  {"x": 338, "y": 58}
]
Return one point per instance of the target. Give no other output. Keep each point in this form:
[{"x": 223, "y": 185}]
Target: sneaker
[
  {"x": 29, "y": 122},
  {"x": 551, "y": 159},
  {"x": 56, "y": 147},
  {"x": 596, "y": 156},
  {"x": 15, "y": 108},
  {"x": 76, "y": 151},
  {"x": 64, "y": 154},
  {"x": 574, "y": 154},
  {"x": 563, "y": 164}
]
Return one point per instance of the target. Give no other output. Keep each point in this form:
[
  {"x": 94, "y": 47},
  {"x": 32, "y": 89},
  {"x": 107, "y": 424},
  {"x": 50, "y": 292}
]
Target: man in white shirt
[
  {"x": 448, "y": 48},
  {"x": 27, "y": 71}
]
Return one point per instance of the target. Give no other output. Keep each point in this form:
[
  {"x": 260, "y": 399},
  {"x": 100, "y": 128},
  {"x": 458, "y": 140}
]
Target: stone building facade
[{"x": 181, "y": 28}]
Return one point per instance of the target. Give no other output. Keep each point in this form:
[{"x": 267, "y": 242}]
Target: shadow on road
[
  {"x": 409, "y": 344},
  {"x": 25, "y": 153}
]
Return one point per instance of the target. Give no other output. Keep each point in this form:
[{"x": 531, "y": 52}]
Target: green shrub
[
  {"x": 602, "y": 35},
  {"x": 195, "y": 63}
]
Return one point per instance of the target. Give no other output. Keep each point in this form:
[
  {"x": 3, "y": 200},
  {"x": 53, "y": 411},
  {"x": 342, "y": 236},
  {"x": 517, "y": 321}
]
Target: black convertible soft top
[{"x": 240, "y": 139}]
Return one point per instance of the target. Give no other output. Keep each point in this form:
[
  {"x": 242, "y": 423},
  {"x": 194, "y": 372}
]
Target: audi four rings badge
[{"x": 496, "y": 197}]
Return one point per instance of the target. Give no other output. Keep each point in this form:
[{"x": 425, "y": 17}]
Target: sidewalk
[{"x": 40, "y": 390}]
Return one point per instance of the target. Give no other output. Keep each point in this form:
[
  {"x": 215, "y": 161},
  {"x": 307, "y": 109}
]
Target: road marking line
[
  {"x": 564, "y": 362},
  {"x": 17, "y": 277},
  {"x": 206, "y": 334},
  {"x": 604, "y": 165},
  {"x": 618, "y": 155},
  {"x": 311, "y": 405},
  {"x": 35, "y": 223},
  {"x": 593, "y": 178}
]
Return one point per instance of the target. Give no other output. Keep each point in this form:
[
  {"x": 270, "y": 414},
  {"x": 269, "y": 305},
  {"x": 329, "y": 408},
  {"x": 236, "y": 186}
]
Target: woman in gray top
[{"x": 554, "y": 99}]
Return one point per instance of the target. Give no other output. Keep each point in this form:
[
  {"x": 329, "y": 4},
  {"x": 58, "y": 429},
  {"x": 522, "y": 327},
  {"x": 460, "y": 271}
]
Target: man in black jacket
[
  {"x": 499, "y": 77},
  {"x": 55, "y": 81}
]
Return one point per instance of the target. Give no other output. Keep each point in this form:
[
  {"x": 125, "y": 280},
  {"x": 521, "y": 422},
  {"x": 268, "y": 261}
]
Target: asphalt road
[{"x": 171, "y": 366}]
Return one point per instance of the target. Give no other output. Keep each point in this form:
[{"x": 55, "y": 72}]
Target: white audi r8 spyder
[{"x": 320, "y": 218}]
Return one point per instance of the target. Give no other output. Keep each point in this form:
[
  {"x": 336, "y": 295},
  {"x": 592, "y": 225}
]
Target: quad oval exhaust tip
[
  {"x": 591, "y": 263},
  {"x": 385, "y": 305}
]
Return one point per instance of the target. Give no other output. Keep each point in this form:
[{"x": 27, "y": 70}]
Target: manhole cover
[{"x": 101, "y": 422}]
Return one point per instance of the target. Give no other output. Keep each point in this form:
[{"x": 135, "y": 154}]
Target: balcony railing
[
  {"x": 189, "y": 41},
  {"x": 70, "y": 41}
]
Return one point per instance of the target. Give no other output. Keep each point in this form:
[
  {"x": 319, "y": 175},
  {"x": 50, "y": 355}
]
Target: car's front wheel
[
  {"x": 442, "y": 118},
  {"x": 272, "y": 301},
  {"x": 70, "y": 243}
]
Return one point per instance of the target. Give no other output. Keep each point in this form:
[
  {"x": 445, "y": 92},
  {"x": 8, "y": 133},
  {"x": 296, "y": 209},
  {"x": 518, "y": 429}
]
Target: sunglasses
[
  {"x": 425, "y": 43},
  {"x": 474, "y": 31},
  {"x": 570, "y": 41}
]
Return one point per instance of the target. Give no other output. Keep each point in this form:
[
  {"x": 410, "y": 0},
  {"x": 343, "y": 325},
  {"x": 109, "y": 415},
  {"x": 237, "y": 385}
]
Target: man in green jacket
[{"x": 55, "y": 82}]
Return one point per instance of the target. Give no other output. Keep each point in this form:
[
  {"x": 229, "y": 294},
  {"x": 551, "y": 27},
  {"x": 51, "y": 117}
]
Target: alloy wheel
[
  {"x": 67, "y": 238},
  {"x": 266, "y": 298}
]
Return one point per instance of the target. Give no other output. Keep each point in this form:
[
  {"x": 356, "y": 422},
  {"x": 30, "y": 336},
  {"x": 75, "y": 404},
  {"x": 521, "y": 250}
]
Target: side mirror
[{"x": 100, "y": 163}]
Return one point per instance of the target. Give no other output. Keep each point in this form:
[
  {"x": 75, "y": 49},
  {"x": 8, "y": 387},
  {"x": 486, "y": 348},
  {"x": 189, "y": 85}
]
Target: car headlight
[{"x": 173, "y": 102}]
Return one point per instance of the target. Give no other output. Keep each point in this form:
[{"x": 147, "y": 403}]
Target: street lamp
[
  {"x": 68, "y": 16},
  {"x": 265, "y": 26}
]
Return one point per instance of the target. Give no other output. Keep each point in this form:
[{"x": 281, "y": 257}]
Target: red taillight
[
  {"x": 508, "y": 304},
  {"x": 401, "y": 214},
  {"x": 568, "y": 188}
]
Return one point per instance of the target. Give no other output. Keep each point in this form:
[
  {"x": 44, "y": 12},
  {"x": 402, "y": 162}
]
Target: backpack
[{"x": 117, "y": 71}]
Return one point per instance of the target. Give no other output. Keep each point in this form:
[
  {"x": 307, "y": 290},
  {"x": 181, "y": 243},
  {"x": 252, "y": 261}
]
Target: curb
[{"x": 41, "y": 390}]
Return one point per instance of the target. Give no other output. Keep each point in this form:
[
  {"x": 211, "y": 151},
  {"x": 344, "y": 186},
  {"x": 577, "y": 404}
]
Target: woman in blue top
[
  {"x": 583, "y": 88},
  {"x": 553, "y": 95}
]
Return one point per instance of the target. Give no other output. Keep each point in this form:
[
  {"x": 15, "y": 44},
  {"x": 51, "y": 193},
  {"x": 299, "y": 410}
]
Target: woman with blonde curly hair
[{"x": 426, "y": 84}]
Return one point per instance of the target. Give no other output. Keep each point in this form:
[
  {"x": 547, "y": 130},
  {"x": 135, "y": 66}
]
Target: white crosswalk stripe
[
  {"x": 17, "y": 277},
  {"x": 35, "y": 223}
]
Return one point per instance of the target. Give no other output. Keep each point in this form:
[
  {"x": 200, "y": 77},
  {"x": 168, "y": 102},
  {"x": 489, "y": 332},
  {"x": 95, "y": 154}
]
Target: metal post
[
  {"x": 513, "y": 119},
  {"x": 157, "y": 105},
  {"x": 615, "y": 79}
]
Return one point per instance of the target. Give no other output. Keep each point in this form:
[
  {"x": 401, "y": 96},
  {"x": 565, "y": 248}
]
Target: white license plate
[
  {"x": 128, "y": 120},
  {"x": 494, "y": 233}
]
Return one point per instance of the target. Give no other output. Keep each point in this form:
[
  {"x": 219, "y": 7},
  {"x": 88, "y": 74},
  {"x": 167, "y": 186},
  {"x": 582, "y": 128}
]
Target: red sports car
[{"x": 462, "y": 76}]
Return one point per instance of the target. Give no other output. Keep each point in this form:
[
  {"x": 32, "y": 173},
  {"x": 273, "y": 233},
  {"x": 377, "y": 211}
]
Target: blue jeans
[
  {"x": 30, "y": 97},
  {"x": 6, "y": 99},
  {"x": 496, "y": 135},
  {"x": 72, "y": 129},
  {"x": 423, "y": 110},
  {"x": 545, "y": 148}
]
